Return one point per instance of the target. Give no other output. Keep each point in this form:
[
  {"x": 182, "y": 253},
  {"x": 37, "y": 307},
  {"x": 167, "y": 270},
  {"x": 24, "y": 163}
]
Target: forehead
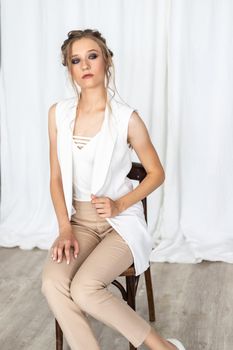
[{"x": 83, "y": 45}]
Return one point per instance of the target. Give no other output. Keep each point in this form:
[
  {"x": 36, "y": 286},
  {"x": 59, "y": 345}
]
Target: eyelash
[{"x": 74, "y": 61}]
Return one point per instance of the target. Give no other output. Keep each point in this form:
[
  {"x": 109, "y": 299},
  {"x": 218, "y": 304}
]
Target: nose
[{"x": 85, "y": 65}]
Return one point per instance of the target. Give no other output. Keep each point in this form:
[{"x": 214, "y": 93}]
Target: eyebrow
[{"x": 87, "y": 51}]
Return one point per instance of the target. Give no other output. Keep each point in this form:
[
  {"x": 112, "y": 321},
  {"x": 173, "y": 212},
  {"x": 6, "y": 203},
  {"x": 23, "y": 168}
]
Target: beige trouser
[{"x": 81, "y": 286}]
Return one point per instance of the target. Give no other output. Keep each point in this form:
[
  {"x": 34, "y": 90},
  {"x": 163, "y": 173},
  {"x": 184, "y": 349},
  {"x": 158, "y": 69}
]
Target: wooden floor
[{"x": 194, "y": 303}]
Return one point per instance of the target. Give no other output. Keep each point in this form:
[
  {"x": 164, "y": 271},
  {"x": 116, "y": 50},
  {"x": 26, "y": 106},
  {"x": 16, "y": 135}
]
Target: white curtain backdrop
[
  {"x": 173, "y": 63},
  {"x": 195, "y": 222}
]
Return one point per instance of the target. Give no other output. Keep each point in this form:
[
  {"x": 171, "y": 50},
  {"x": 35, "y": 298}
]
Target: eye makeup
[{"x": 91, "y": 56}]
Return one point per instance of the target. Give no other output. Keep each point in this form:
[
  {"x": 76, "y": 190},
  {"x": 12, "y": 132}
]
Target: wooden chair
[{"x": 138, "y": 173}]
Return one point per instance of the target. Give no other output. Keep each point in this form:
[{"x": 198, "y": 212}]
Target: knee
[
  {"x": 50, "y": 285},
  {"x": 47, "y": 285},
  {"x": 85, "y": 293}
]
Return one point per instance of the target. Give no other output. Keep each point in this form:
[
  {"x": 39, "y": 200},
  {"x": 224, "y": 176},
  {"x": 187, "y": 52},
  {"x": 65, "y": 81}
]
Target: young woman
[{"x": 102, "y": 229}]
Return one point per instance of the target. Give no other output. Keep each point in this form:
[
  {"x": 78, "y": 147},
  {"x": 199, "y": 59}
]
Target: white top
[
  {"x": 112, "y": 163},
  {"x": 83, "y": 154}
]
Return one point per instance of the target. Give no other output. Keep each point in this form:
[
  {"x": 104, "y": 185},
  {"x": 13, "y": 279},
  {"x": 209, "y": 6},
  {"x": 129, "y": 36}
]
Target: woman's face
[{"x": 87, "y": 58}]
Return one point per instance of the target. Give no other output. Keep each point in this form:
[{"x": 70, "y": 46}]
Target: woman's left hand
[{"x": 105, "y": 206}]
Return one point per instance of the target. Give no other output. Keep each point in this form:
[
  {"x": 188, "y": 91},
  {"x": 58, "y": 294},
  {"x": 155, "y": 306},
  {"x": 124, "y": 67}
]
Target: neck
[{"x": 92, "y": 99}]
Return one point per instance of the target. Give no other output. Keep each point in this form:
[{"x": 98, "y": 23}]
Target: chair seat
[{"x": 129, "y": 272}]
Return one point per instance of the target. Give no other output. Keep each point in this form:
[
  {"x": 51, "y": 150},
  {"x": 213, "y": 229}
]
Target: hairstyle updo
[{"x": 95, "y": 35}]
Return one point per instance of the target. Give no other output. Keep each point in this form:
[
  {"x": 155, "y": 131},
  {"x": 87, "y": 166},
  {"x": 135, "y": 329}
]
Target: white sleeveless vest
[{"x": 111, "y": 165}]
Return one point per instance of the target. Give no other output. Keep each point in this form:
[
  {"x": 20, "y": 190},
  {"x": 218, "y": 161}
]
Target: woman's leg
[
  {"x": 154, "y": 342},
  {"x": 103, "y": 261},
  {"x": 89, "y": 288},
  {"x": 56, "y": 280}
]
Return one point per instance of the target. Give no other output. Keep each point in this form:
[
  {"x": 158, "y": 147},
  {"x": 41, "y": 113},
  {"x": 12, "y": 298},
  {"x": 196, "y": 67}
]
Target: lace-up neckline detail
[{"x": 82, "y": 141}]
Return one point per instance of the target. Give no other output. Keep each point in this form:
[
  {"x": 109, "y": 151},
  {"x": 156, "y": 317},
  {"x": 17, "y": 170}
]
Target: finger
[
  {"x": 54, "y": 253},
  {"x": 67, "y": 252},
  {"x": 59, "y": 253},
  {"x": 99, "y": 200},
  {"x": 99, "y": 205},
  {"x": 76, "y": 249},
  {"x": 101, "y": 211},
  {"x": 104, "y": 215}
]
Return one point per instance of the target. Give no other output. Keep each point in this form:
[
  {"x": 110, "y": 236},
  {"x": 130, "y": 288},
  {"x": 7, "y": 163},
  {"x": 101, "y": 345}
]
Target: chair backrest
[{"x": 138, "y": 173}]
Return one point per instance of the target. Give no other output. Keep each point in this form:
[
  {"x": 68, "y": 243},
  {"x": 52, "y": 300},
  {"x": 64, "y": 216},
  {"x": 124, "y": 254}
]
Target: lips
[{"x": 86, "y": 76}]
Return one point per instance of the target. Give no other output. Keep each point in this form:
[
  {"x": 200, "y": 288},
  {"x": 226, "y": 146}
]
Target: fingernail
[
  {"x": 76, "y": 256},
  {"x": 58, "y": 260},
  {"x": 67, "y": 262}
]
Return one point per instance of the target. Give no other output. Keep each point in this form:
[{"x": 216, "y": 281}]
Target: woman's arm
[
  {"x": 140, "y": 140},
  {"x": 56, "y": 187},
  {"x": 66, "y": 238}
]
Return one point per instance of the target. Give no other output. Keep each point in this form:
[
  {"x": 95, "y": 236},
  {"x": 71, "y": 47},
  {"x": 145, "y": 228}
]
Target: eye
[
  {"x": 75, "y": 61},
  {"x": 93, "y": 56}
]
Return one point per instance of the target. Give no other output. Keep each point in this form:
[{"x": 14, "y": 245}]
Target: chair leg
[
  {"x": 59, "y": 336},
  {"x": 150, "y": 297},
  {"x": 131, "y": 288}
]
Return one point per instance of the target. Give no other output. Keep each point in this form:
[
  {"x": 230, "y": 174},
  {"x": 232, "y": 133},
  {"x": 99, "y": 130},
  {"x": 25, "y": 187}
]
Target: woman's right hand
[{"x": 65, "y": 240}]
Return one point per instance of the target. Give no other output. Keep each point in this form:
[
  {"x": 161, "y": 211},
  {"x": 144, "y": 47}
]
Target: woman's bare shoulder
[{"x": 137, "y": 129}]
